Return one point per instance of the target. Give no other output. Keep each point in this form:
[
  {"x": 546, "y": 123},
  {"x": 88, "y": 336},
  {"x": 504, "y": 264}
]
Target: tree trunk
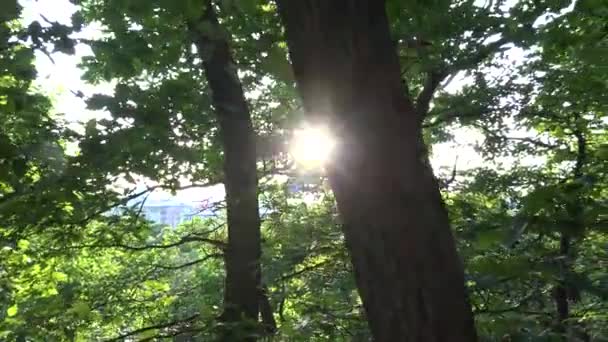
[
  {"x": 408, "y": 272},
  {"x": 241, "y": 296},
  {"x": 561, "y": 290},
  {"x": 565, "y": 290},
  {"x": 268, "y": 321}
]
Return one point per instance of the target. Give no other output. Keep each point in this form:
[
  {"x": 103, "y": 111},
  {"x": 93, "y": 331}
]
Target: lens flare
[{"x": 312, "y": 146}]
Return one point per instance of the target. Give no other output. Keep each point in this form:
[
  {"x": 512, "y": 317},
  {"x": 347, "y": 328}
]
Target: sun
[{"x": 312, "y": 146}]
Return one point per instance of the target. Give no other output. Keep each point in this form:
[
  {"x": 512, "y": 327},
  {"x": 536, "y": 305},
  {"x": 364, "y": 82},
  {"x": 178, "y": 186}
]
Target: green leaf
[
  {"x": 12, "y": 311},
  {"x": 59, "y": 276},
  {"x": 23, "y": 244},
  {"x": 488, "y": 238},
  {"x": 277, "y": 64},
  {"x": 81, "y": 309}
]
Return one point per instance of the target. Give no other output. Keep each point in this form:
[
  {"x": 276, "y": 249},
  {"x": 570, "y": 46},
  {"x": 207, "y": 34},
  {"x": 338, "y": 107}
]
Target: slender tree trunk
[
  {"x": 561, "y": 289},
  {"x": 241, "y": 297},
  {"x": 564, "y": 289},
  {"x": 408, "y": 272},
  {"x": 268, "y": 321}
]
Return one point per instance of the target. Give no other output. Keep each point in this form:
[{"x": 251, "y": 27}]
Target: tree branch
[
  {"x": 484, "y": 52},
  {"x": 528, "y": 140},
  {"x": 186, "y": 239},
  {"x": 447, "y": 116},
  {"x": 447, "y": 182},
  {"x": 124, "y": 200},
  {"x": 305, "y": 269},
  {"x": 191, "y": 263},
  {"x": 268, "y": 321},
  {"x": 435, "y": 77},
  {"x": 154, "y": 327},
  {"x": 423, "y": 101}
]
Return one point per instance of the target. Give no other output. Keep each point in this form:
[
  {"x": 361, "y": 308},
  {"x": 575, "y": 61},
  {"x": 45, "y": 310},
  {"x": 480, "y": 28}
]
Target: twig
[{"x": 449, "y": 181}]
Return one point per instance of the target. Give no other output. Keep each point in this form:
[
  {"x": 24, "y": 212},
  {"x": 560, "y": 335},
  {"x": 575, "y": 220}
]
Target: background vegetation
[{"x": 530, "y": 222}]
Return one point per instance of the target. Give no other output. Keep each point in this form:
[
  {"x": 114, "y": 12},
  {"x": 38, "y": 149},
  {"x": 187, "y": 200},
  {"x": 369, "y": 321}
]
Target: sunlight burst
[{"x": 312, "y": 146}]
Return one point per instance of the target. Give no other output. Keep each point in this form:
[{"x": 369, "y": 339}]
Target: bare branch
[{"x": 447, "y": 182}]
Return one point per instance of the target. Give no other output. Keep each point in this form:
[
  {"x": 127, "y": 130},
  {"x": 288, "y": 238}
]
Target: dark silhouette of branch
[
  {"x": 125, "y": 200},
  {"x": 528, "y": 140},
  {"x": 141, "y": 207},
  {"x": 305, "y": 269},
  {"x": 435, "y": 77},
  {"x": 186, "y": 239},
  {"x": 154, "y": 327},
  {"x": 191, "y": 237},
  {"x": 515, "y": 308},
  {"x": 191, "y": 263},
  {"x": 423, "y": 101},
  {"x": 532, "y": 142},
  {"x": 581, "y": 151},
  {"x": 447, "y": 182},
  {"x": 444, "y": 117},
  {"x": 172, "y": 334},
  {"x": 484, "y": 52},
  {"x": 268, "y": 321}
]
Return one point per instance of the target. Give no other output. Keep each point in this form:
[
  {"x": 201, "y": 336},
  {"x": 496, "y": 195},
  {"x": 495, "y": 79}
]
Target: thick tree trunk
[
  {"x": 407, "y": 269},
  {"x": 241, "y": 297}
]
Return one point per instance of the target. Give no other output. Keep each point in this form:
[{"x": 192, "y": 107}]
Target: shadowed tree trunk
[
  {"x": 565, "y": 290},
  {"x": 407, "y": 269},
  {"x": 242, "y": 257}
]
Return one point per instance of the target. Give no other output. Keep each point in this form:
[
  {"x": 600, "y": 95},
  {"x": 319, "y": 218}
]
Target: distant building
[
  {"x": 166, "y": 209},
  {"x": 169, "y": 212}
]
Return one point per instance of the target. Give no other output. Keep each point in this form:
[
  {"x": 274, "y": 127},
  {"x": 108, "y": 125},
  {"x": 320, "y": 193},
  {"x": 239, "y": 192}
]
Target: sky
[{"x": 61, "y": 76}]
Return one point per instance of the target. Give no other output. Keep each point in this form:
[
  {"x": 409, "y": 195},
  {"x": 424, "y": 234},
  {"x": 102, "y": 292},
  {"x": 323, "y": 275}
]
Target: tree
[
  {"x": 530, "y": 217},
  {"x": 408, "y": 272},
  {"x": 236, "y": 136},
  {"x": 79, "y": 261},
  {"x": 243, "y": 289}
]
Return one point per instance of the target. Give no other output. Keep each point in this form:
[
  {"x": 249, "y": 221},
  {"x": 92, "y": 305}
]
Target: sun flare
[{"x": 312, "y": 146}]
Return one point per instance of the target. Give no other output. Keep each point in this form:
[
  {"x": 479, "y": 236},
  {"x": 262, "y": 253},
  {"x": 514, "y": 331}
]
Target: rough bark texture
[
  {"x": 407, "y": 269},
  {"x": 241, "y": 297}
]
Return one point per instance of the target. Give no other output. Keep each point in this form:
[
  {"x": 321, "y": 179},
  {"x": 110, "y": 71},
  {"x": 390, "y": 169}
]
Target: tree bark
[
  {"x": 408, "y": 272},
  {"x": 242, "y": 256},
  {"x": 268, "y": 321}
]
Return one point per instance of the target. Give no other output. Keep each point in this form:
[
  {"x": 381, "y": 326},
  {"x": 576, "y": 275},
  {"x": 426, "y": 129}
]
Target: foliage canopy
[{"x": 530, "y": 221}]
